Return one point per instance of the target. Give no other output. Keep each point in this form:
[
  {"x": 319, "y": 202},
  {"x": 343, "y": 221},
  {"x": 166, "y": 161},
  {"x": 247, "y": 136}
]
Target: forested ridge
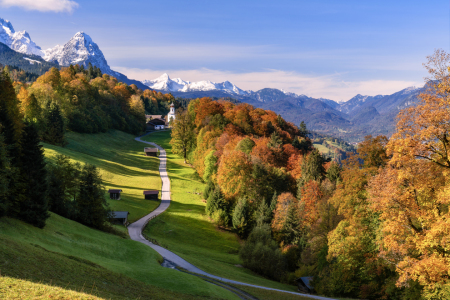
[{"x": 375, "y": 227}]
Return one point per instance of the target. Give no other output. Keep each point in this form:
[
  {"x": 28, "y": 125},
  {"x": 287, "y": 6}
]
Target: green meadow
[
  {"x": 122, "y": 164},
  {"x": 186, "y": 230},
  {"x": 68, "y": 255}
]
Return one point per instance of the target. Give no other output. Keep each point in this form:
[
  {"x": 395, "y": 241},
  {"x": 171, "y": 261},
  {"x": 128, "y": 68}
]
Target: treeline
[
  {"x": 30, "y": 188},
  {"x": 18, "y": 74},
  {"x": 86, "y": 101},
  {"x": 375, "y": 228}
]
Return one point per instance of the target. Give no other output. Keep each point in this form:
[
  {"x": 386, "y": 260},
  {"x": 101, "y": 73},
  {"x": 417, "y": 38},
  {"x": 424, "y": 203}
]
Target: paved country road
[{"x": 135, "y": 230}]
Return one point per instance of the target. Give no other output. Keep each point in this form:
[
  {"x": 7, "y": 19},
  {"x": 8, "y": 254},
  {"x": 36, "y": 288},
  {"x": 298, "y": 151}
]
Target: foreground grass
[
  {"x": 122, "y": 164},
  {"x": 77, "y": 258},
  {"x": 270, "y": 295},
  {"x": 13, "y": 288},
  {"x": 186, "y": 230},
  {"x": 73, "y": 257}
]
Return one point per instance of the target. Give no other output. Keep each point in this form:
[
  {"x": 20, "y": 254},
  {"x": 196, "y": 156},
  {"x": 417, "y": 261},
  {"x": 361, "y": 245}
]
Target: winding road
[{"x": 135, "y": 231}]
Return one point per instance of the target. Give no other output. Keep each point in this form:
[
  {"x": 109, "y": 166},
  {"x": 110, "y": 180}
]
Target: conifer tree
[
  {"x": 303, "y": 130},
  {"x": 34, "y": 205},
  {"x": 12, "y": 126},
  {"x": 92, "y": 208},
  {"x": 54, "y": 126},
  {"x": 312, "y": 168},
  {"x": 5, "y": 175},
  {"x": 275, "y": 140},
  {"x": 241, "y": 217}
]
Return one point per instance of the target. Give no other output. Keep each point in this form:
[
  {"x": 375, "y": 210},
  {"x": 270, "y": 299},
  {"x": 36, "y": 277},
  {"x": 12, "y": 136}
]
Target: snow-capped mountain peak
[
  {"x": 19, "y": 41},
  {"x": 164, "y": 83},
  {"x": 80, "y": 49}
]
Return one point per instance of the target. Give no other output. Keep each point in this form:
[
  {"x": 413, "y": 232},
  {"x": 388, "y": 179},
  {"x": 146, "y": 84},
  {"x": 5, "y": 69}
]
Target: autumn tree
[
  {"x": 412, "y": 193},
  {"x": 182, "y": 135},
  {"x": 234, "y": 174}
]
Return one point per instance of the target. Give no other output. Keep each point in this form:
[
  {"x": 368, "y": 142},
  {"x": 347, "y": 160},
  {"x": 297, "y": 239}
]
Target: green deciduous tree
[{"x": 182, "y": 135}]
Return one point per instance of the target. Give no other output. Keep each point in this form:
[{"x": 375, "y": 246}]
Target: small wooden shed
[
  {"x": 304, "y": 285},
  {"x": 114, "y": 194},
  {"x": 151, "y": 151},
  {"x": 151, "y": 194},
  {"x": 119, "y": 217}
]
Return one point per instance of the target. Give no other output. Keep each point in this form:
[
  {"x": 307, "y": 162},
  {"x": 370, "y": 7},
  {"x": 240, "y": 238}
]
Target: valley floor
[{"x": 68, "y": 260}]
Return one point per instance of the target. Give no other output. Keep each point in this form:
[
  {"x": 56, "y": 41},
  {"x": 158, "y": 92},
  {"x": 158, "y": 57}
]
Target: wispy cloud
[
  {"x": 329, "y": 86},
  {"x": 42, "y": 5}
]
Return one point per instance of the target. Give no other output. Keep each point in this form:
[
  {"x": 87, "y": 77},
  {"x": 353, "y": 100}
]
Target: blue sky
[{"x": 330, "y": 49}]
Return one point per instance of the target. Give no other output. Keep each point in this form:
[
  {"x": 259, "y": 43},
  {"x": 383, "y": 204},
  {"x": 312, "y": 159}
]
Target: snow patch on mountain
[
  {"x": 165, "y": 83},
  {"x": 19, "y": 41},
  {"x": 32, "y": 61},
  {"x": 410, "y": 90}
]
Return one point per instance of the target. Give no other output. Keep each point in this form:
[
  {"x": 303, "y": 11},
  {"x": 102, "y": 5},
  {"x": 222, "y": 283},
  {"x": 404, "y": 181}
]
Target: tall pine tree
[
  {"x": 34, "y": 205},
  {"x": 92, "y": 208},
  {"x": 54, "y": 126},
  {"x": 12, "y": 126}
]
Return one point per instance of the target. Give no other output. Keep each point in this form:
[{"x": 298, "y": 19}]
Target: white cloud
[
  {"x": 42, "y": 5},
  {"x": 330, "y": 86}
]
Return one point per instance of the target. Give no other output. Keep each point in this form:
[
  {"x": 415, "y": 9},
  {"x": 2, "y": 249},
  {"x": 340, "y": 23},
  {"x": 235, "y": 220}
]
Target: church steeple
[{"x": 171, "y": 115}]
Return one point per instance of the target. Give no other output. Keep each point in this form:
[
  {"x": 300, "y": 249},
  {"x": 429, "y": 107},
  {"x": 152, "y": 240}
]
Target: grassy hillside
[
  {"x": 73, "y": 257},
  {"x": 187, "y": 231},
  {"x": 122, "y": 165}
]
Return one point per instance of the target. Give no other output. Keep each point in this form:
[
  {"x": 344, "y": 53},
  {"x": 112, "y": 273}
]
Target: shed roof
[
  {"x": 119, "y": 214},
  {"x": 306, "y": 281},
  {"x": 151, "y": 192},
  {"x": 148, "y": 149},
  {"x": 151, "y": 117},
  {"x": 157, "y": 122},
  {"x": 111, "y": 191}
]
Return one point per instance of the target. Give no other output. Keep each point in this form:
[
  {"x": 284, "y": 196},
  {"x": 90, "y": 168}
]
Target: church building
[{"x": 171, "y": 115}]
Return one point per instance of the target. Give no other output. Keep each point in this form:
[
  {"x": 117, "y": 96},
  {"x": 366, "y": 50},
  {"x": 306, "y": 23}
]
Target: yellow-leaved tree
[{"x": 412, "y": 193}]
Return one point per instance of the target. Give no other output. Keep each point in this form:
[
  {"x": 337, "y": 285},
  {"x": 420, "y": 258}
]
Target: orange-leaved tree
[{"x": 412, "y": 193}]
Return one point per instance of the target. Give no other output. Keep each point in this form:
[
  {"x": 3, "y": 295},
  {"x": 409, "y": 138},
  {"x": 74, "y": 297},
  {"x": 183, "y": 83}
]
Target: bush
[{"x": 261, "y": 254}]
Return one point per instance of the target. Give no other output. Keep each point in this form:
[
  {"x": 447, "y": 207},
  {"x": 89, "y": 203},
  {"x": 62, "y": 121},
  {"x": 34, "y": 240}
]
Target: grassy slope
[
  {"x": 75, "y": 257},
  {"x": 22, "y": 289},
  {"x": 68, "y": 254},
  {"x": 187, "y": 231},
  {"x": 122, "y": 165},
  {"x": 321, "y": 148}
]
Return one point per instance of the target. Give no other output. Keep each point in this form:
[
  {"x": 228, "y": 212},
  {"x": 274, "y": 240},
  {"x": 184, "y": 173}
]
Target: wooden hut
[
  {"x": 114, "y": 194},
  {"x": 151, "y": 151},
  {"x": 304, "y": 285},
  {"x": 151, "y": 194},
  {"x": 119, "y": 217}
]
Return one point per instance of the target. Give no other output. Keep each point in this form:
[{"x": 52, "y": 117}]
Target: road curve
[{"x": 135, "y": 231}]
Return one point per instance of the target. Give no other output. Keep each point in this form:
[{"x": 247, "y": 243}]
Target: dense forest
[{"x": 375, "y": 227}]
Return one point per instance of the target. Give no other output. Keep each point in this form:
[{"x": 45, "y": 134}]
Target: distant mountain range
[{"x": 351, "y": 120}]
